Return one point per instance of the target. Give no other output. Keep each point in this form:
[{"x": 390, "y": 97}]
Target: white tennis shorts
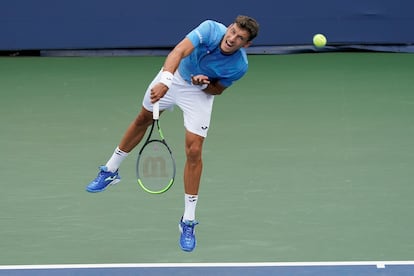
[{"x": 195, "y": 103}]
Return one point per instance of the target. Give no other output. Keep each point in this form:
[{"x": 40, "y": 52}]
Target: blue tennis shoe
[
  {"x": 187, "y": 237},
  {"x": 103, "y": 180}
]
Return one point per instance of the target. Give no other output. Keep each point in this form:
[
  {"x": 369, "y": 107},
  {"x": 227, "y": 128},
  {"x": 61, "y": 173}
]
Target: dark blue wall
[{"x": 82, "y": 24}]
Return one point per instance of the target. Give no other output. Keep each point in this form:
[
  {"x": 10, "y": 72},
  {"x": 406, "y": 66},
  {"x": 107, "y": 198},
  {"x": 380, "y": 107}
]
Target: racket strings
[{"x": 155, "y": 167}]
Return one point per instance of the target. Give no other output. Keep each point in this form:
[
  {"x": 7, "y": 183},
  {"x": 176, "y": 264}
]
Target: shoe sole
[{"x": 101, "y": 190}]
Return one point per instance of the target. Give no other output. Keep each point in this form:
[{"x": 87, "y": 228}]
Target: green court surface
[{"x": 309, "y": 158}]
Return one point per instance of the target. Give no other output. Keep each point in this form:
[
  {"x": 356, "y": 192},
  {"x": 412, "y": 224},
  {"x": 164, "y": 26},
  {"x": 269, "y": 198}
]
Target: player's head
[
  {"x": 249, "y": 24},
  {"x": 239, "y": 34}
]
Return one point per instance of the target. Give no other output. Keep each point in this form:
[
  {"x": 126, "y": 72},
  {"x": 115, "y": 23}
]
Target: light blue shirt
[{"x": 208, "y": 60}]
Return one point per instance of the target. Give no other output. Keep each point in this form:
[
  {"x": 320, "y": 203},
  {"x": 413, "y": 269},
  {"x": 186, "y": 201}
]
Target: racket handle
[{"x": 156, "y": 111}]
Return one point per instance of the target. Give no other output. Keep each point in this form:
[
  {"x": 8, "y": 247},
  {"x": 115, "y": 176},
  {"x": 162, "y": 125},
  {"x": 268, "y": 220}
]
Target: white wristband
[{"x": 166, "y": 78}]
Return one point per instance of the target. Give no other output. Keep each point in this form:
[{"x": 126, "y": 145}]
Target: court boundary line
[{"x": 378, "y": 264}]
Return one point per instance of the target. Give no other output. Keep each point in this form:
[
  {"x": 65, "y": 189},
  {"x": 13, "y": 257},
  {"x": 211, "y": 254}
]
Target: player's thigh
[
  {"x": 197, "y": 107},
  {"x": 166, "y": 102}
]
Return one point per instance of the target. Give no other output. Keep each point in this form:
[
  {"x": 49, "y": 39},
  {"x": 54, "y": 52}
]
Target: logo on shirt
[
  {"x": 204, "y": 127},
  {"x": 200, "y": 36}
]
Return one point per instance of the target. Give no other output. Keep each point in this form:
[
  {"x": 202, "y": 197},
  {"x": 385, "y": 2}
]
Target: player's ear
[{"x": 248, "y": 43}]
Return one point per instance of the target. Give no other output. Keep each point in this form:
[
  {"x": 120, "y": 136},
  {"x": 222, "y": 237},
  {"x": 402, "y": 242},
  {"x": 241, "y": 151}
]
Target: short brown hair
[{"x": 249, "y": 24}]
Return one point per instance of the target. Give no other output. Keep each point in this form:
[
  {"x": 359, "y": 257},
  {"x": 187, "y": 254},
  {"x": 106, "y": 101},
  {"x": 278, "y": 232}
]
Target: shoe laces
[
  {"x": 101, "y": 174},
  {"x": 188, "y": 228}
]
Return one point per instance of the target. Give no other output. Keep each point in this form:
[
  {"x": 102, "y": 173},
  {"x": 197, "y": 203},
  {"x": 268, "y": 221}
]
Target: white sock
[
  {"x": 190, "y": 203},
  {"x": 116, "y": 159}
]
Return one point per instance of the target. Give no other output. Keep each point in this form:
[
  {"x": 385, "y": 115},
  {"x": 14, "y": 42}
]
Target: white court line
[{"x": 378, "y": 264}]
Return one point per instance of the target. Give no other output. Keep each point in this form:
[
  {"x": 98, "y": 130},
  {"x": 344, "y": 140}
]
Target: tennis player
[{"x": 206, "y": 62}]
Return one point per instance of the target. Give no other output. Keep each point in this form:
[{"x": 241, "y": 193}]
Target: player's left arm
[
  {"x": 214, "y": 88},
  {"x": 210, "y": 87}
]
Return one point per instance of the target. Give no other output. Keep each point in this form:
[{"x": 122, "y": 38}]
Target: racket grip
[{"x": 156, "y": 111}]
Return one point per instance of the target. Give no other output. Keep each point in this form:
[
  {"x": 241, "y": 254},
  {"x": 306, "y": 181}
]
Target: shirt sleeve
[{"x": 201, "y": 34}]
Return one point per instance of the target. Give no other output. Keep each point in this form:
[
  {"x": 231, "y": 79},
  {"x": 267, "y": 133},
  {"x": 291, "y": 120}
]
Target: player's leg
[
  {"x": 197, "y": 107},
  {"x": 192, "y": 175},
  {"x": 194, "y": 164},
  {"x": 108, "y": 174},
  {"x": 136, "y": 131}
]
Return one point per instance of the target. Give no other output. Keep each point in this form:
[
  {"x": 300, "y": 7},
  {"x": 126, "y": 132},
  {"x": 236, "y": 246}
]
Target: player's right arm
[
  {"x": 180, "y": 51},
  {"x": 183, "y": 49}
]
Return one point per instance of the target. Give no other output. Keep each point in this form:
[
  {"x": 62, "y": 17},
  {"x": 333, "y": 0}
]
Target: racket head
[{"x": 155, "y": 167}]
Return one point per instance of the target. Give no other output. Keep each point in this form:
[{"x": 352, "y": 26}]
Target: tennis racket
[{"x": 155, "y": 165}]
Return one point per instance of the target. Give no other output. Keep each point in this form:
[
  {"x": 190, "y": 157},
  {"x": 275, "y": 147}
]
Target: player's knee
[{"x": 193, "y": 152}]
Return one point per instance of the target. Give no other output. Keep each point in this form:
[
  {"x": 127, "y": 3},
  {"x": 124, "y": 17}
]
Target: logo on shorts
[{"x": 204, "y": 127}]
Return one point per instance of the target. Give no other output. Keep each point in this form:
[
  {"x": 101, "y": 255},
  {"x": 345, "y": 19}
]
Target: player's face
[{"x": 234, "y": 39}]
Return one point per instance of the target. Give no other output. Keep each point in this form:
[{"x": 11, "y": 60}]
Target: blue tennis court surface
[{"x": 230, "y": 269}]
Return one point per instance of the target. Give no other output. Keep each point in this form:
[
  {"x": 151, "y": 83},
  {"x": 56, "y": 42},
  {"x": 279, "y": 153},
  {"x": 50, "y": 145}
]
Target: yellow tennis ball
[{"x": 319, "y": 40}]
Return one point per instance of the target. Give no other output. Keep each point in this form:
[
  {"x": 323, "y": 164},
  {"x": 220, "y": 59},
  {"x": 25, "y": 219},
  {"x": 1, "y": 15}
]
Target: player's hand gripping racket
[{"x": 155, "y": 166}]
